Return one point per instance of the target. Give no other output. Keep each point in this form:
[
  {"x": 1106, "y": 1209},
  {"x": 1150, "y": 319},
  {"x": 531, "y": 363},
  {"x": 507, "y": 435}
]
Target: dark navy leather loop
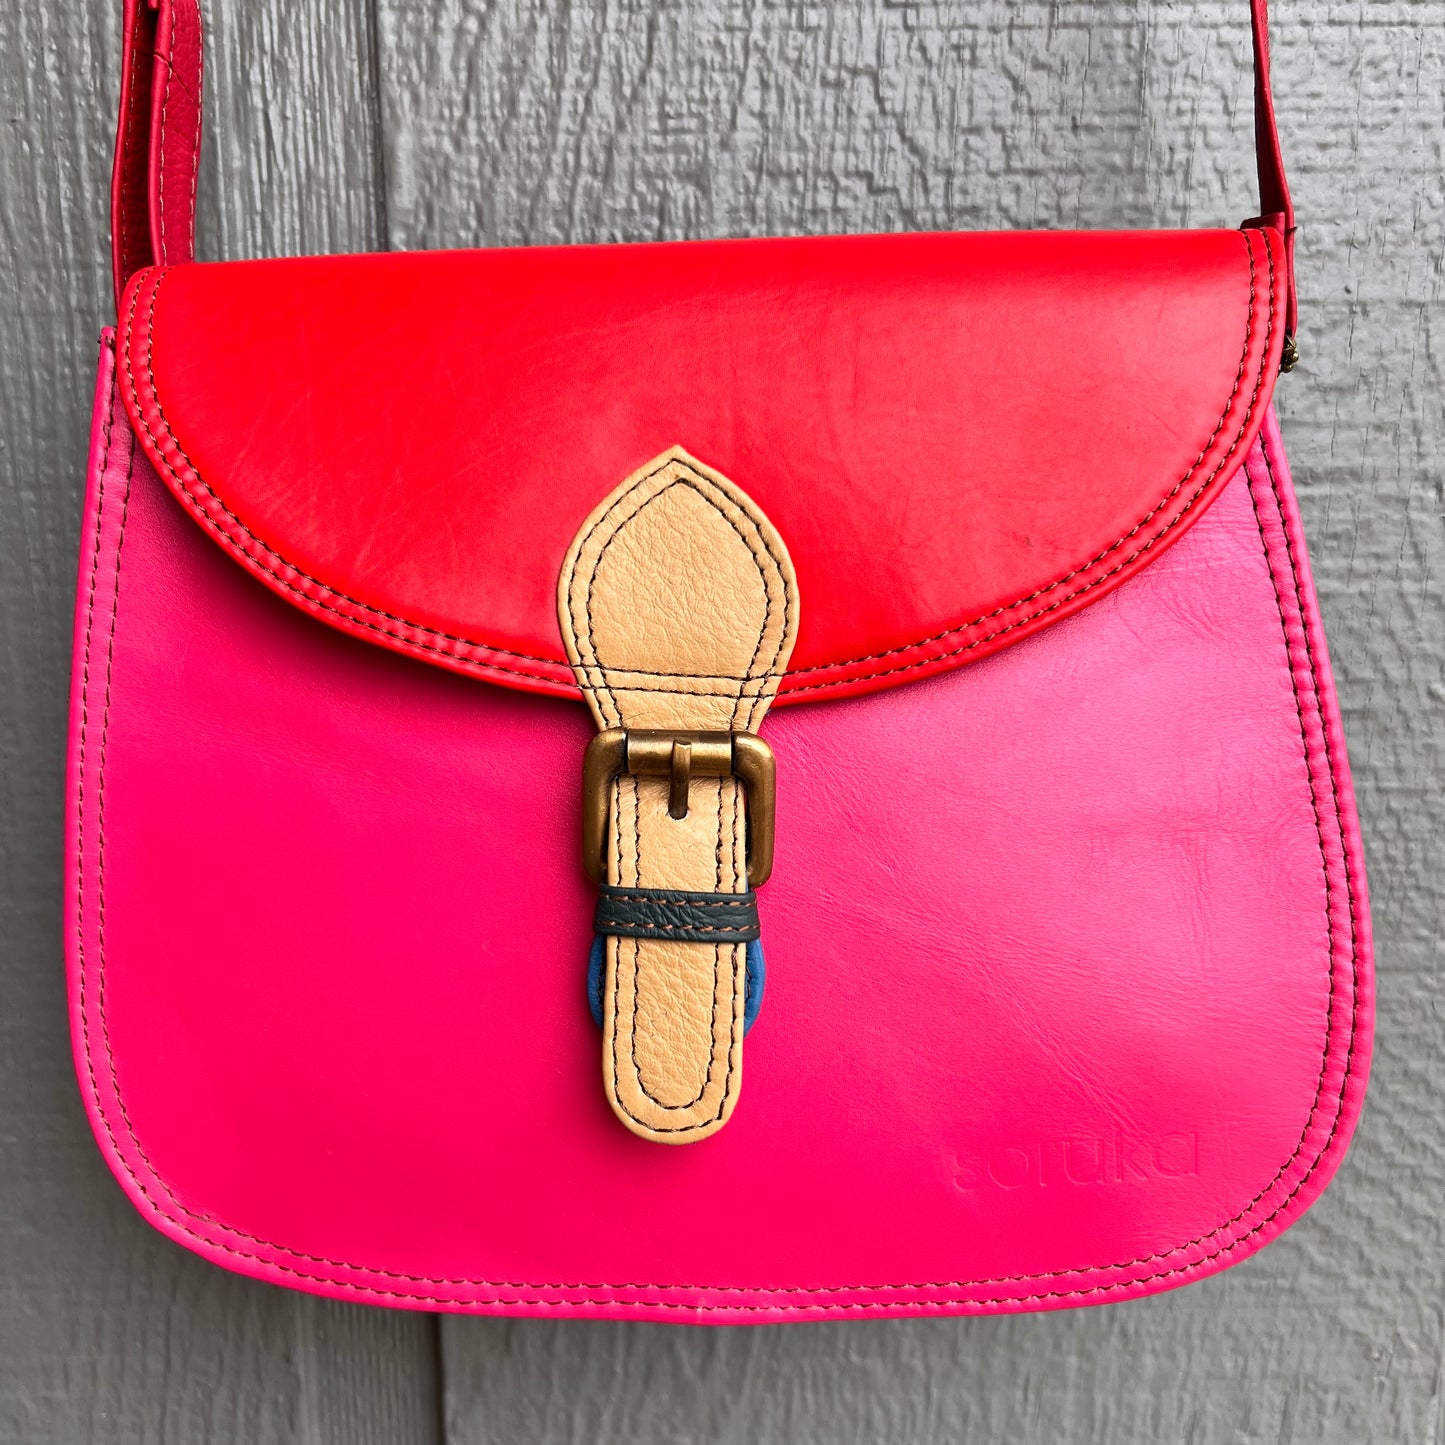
[{"x": 669, "y": 913}]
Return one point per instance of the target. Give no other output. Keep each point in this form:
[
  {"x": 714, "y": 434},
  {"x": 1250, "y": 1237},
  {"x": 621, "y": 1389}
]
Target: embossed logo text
[{"x": 1078, "y": 1160}]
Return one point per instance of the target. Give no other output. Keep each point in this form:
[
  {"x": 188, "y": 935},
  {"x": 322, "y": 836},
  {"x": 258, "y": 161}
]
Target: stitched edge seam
[
  {"x": 196, "y": 101},
  {"x": 161, "y": 159},
  {"x": 168, "y": 60}
]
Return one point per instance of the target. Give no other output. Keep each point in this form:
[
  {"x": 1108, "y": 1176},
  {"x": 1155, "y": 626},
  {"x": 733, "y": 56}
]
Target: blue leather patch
[{"x": 757, "y": 977}]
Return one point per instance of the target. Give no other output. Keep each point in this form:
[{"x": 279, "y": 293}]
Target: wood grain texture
[
  {"x": 108, "y": 1332},
  {"x": 291, "y": 164},
  {"x": 354, "y": 124}
]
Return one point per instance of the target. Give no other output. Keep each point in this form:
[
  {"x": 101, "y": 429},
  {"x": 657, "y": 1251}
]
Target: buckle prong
[
  {"x": 679, "y": 757},
  {"x": 679, "y": 779}
]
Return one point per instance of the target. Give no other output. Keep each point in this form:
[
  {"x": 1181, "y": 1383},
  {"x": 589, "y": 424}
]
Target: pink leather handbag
[{"x": 705, "y": 781}]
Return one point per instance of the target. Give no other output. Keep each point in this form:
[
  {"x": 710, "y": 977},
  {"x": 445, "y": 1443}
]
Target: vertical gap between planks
[
  {"x": 378, "y": 128},
  {"x": 439, "y": 1376}
]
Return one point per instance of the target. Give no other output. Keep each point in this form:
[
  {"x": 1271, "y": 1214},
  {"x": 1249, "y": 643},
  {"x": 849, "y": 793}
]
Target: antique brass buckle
[{"x": 679, "y": 757}]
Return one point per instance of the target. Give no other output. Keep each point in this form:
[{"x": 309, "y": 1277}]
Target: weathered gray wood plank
[
  {"x": 526, "y": 121},
  {"x": 290, "y": 148},
  {"x": 108, "y": 1332}
]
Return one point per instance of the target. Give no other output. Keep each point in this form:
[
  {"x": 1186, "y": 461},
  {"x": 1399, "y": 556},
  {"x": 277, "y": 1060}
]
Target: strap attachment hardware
[{"x": 679, "y": 757}]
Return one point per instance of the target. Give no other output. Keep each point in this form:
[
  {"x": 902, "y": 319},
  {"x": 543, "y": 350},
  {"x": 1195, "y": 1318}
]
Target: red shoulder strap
[
  {"x": 158, "y": 141},
  {"x": 1275, "y": 207},
  {"x": 158, "y": 138}
]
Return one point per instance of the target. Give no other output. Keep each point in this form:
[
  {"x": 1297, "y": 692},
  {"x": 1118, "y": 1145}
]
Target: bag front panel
[{"x": 1068, "y": 993}]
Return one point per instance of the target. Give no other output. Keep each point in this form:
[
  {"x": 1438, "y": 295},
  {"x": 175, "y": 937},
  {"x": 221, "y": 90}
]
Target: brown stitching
[
  {"x": 1350, "y": 890},
  {"x": 1328, "y": 751},
  {"x": 717, "y": 952},
  {"x": 688, "y": 691},
  {"x": 738, "y": 866},
  {"x": 632, "y": 1023},
  {"x": 577, "y": 632},
  {"x": 733, "y": 903},
  {"x": 678, "y": 928},
  {"x": 315, "y": 602},
  {"x": 100, "y": 992},
  {"x": 80, "y": 869},
  {"x": 636, "y": 829},
  {"x": 613, "y": 709},
  {"x": 717, "y": 852},
  {"x": 736, "y": 954},
  {"x": 100, "y": 835},
  {"x": 734, "y": 677},
  {"x": 691, "y": 480},
  {"x": 767, "y": 610},
  {"x": 763, "y": 699},
  {"x": 596, "y": 663},
  {"x": 637, "y": 992},
  {"x": 161, "y": 163},
  {"x": 195, "y": 144},
  {"x": 637, "y": 946},
  {"x": 197, "y": 99},
  {"x": 712, "y": 1046},
  {"x": 614, "y": 952}
]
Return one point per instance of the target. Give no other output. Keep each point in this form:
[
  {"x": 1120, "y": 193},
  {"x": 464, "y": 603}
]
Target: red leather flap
[{"x": 962, "y": 438}]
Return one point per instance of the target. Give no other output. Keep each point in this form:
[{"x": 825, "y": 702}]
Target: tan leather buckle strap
[{"x": 679, "y": 607}]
